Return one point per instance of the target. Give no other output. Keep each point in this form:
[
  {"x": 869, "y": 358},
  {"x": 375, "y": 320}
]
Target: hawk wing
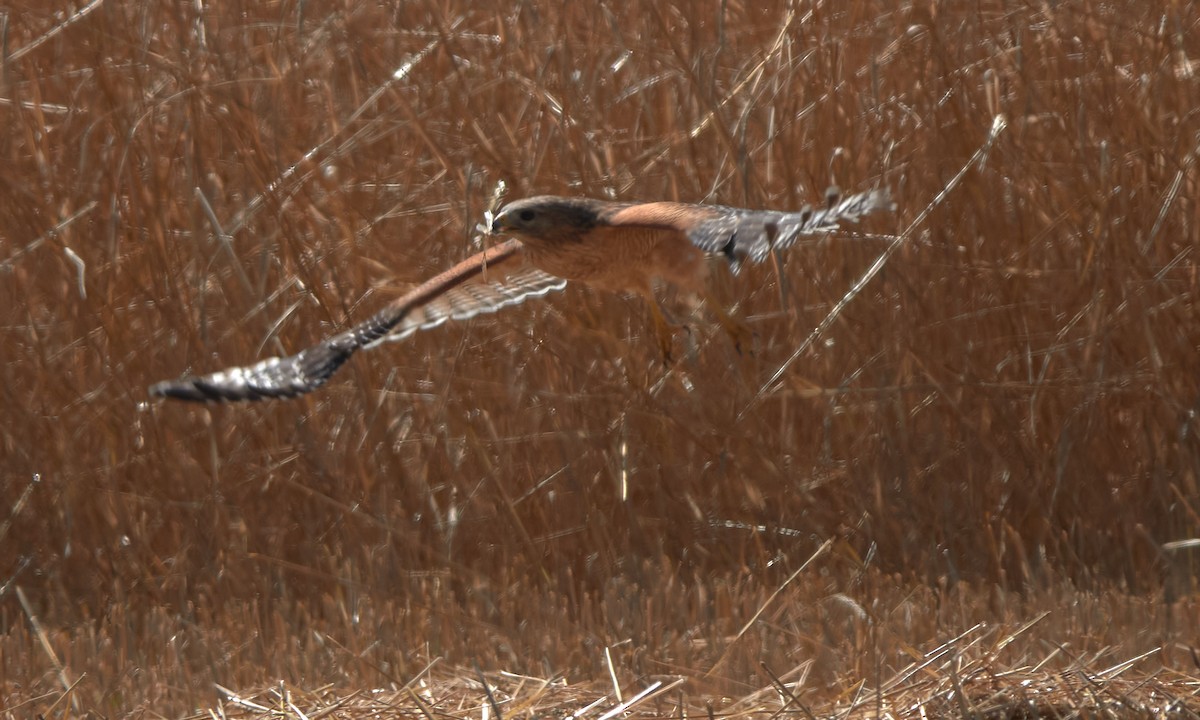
[
  {"x": 447, "y": 296},
  {"x": 467, "y": 301},
  {"x": 739, "y": 234}
]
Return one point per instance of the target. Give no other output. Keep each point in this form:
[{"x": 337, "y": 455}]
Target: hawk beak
[{"x": 498, "y": 223}]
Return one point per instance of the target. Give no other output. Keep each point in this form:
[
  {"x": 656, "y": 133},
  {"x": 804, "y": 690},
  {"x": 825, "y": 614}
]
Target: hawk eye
[{"x": 527, "y": 215}]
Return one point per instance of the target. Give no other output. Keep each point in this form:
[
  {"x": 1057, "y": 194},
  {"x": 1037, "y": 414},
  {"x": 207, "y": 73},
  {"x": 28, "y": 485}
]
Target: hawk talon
[
  {"x": 666, "y": 350},
  {"x": 741, "y": 335}
]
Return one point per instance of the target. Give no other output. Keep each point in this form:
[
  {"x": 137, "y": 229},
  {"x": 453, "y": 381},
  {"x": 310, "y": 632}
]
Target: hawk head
[{"x": 547, "y": 218}]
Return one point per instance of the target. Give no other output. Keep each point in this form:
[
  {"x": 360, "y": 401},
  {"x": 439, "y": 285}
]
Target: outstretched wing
[
  {"x": 448, "y": 296},
  {"x": 751, "y": 234},
  {"x": 739, "y": 234},
  {"x": 467, "y": 301}
]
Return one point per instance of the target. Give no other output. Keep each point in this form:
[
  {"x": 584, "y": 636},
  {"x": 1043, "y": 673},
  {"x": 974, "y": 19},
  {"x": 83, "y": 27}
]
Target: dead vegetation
[{"x": 957, "y": 476}]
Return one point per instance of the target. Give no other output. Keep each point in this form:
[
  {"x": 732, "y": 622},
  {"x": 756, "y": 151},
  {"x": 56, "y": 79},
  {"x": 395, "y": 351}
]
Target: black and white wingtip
[{"x": 273, "y": 378}]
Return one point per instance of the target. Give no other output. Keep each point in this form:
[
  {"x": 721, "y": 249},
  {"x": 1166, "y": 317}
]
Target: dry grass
[{"x": 999, "y": 428}]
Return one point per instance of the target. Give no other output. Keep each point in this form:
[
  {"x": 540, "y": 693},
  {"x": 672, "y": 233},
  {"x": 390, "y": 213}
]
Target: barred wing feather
[
  {"x": 740, "y": 234},
  {"x": 447, "y": 296}
]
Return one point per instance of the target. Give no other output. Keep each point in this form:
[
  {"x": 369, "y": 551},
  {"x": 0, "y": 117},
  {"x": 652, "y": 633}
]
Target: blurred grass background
[{"x": 1003, "y": 422}]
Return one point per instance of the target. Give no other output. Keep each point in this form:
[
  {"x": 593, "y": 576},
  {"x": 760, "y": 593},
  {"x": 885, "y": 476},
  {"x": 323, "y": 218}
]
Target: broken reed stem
[
  {"x": 998, "y": 125},
  {"x": 750, "y": 623},
  {"x": 44, "y": 641}
]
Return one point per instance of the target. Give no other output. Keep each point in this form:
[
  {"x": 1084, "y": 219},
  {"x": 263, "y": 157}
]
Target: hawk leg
[
  {"x": 664, "y": 330},
  {"x": 737, "y": 330}
]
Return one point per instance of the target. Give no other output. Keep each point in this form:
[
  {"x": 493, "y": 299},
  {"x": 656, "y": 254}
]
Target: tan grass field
[{"x": 956, "y": 475}]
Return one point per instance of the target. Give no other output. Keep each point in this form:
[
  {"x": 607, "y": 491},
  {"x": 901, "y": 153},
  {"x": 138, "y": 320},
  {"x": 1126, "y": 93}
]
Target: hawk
[{"x": 615, "y": 246}]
